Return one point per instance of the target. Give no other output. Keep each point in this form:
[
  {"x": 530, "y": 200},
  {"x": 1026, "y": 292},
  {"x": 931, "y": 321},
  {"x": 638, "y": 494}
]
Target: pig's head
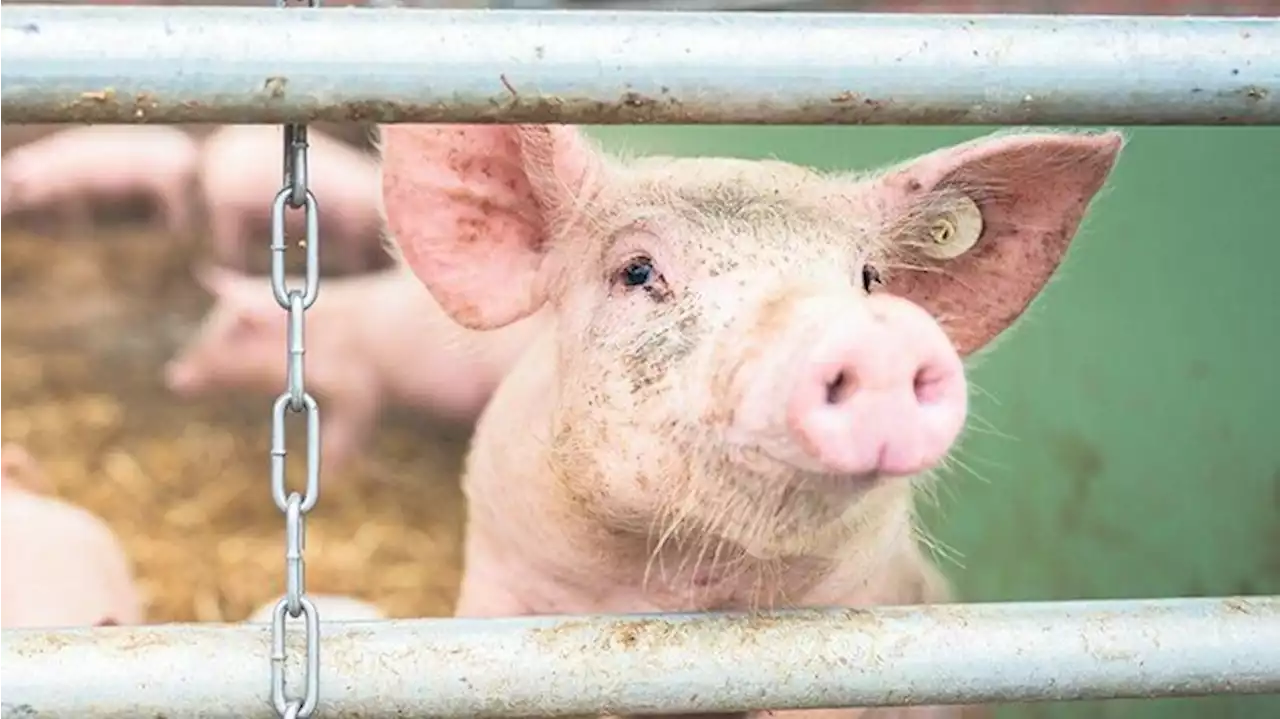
[
  {"x": 750, "y": 350},
  {"x": 239, "y": 340}
]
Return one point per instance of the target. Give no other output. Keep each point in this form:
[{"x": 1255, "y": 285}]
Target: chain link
[{"x": 296, "y": 195}]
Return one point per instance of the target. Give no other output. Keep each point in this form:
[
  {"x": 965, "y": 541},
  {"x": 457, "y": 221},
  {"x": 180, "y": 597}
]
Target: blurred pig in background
[
  {"x": 73, "y": 171},
  {"x": 63, "y": 567},
  {"x": 371, "y": 340},
  {"x": 240, "y": 166}
]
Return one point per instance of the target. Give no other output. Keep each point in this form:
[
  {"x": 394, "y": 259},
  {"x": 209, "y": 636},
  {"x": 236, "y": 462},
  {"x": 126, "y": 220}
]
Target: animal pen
[{"x": 291, "y": 66}]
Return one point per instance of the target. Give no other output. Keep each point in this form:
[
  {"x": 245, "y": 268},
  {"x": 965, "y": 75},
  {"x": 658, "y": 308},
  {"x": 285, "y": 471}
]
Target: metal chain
[{"x": 295, "y": 194}]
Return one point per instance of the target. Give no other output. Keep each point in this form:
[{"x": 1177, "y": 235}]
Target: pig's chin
[
  {"x": 790, "y": 508},
  {"x": 786, "y": 463}
]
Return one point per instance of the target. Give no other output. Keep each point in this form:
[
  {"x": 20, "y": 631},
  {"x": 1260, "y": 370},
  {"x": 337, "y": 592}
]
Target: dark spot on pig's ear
[{"x": 107, "y": 622}]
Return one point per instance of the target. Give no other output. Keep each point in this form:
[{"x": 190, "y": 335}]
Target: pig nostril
[
  {"x": 926, "y": 387},
  {"x": 833, "y": 388},
  {"x": 839, "y": 388}
]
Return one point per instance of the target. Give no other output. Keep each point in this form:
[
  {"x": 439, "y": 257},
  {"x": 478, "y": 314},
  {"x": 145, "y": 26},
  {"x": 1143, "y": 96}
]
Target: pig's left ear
[{"x": 977, "y": 230}]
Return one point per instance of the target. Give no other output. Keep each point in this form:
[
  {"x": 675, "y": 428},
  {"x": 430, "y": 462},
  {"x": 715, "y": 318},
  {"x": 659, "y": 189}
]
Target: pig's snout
[
  {"x": 181, "y": 378},
  {"x": 880, "y": 392}
]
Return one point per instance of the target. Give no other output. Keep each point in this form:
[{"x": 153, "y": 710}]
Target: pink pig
[
  {"x": 72, "y": 168},
  {"x": 63, "y": 567},
  {"x": 752, "y": 363},
  {"x": 241, "y": 171},
  {"x": 370, "y": 339}
]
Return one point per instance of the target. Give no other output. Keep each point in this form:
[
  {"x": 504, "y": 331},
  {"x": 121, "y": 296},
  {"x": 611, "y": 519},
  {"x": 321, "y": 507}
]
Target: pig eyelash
[{"x": 870, "y": 278}]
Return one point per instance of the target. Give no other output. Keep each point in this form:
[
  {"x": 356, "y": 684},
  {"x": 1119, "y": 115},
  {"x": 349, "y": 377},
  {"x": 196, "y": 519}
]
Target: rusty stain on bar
[
  {"x": 557, "y": 666},
  {"x": 263, "y": 65}
]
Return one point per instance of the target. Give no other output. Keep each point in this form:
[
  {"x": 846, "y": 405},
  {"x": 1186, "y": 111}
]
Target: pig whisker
[
  {"x": 676, "y": 517},
  {"x": 768, "y": 589},
  {"x": 715, "y": 566},
  {"x": 779, "y": 596},
  {"x": 912, "y": 267},
  {"x": 983, "y": 391},
  {"x": 969, "y": 470},
  {"x": 927, "y": 486},
  {"x": 783, "y": 592},
  {"x": 716, "y": 520},
  {"x": 949, "y": 487},
  {"x": 758, "y": 598},
  {"x": 931, "y": 483},
  {"x": 938, "y": 549},
  {"x": 723, "y": 548},
  {"x": 992, "y": 463},
  {"x": 987, "y": 427},
  {"x": 989, "y": 431}
]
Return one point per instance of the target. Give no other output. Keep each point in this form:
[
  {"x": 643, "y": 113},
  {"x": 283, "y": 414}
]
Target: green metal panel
[{"x": 1124, "y": 438}]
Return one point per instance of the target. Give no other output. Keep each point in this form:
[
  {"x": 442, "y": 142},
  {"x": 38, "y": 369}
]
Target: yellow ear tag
[{"x": 955, "y": 232}]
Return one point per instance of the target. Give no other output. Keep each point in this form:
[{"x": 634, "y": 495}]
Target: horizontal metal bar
[
  {"x": 270, "y": 65},
  {"x": 709, "y": 5},
  {"x": 547, "y": 666},
  {"x": 663, "y": 5}
]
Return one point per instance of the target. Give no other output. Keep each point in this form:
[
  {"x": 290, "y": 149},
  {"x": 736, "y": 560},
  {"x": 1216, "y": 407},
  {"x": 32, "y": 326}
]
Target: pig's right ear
[{"x": 474, "y": 210}]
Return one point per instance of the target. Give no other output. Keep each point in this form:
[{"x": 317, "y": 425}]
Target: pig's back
[
  {"x": 123, "y": 149},
  {"x": 244, "y": 162},
  {"x": 42, "y": 536},
  {"x": 233, "y": 161}
]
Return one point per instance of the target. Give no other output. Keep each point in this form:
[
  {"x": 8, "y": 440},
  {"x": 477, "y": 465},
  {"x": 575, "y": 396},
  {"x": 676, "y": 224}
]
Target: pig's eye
[
  {"x": 638, "y": 272},
  {"x": 870, "y": 277}
]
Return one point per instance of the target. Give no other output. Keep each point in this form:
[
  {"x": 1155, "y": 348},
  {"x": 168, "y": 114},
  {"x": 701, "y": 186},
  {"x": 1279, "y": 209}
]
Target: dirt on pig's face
[{"x": 697, "y": 279}]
